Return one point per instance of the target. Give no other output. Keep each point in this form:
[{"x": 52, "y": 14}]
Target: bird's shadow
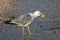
[{"x": 53, "y": 28}]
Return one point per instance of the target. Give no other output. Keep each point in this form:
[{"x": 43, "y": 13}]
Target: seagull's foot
[
  {"x": 30, "y": 33},
  {"x": 27, "y": 33},
  {"x": 24, "y": 33}
]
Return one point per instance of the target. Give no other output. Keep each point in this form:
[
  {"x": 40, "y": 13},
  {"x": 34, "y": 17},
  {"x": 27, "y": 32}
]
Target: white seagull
[{"x": 26, "y": 19}]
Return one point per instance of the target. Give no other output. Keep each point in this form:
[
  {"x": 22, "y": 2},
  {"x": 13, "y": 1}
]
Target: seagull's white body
[{"x": 32, "y": 15}]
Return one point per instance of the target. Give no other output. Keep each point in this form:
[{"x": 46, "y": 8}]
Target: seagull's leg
[
  {"x": 23, "y": 33},
  {"x": 23, "y": 30},
  {"x": 29, "y": 31}
]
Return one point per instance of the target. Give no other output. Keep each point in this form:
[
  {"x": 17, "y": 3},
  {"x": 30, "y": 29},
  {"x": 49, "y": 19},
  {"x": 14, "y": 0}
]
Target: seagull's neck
[{"x": 32, "y": 15}]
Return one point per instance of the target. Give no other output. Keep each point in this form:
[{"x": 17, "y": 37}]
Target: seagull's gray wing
[{"x": 23, "y": 19}]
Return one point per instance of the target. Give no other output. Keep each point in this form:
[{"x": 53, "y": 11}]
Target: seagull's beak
[{"x": 43, "y": 16}]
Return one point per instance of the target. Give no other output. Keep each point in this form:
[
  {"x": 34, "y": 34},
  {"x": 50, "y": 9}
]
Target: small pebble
[
  {"x": 40, "y": 26},
  {"x": 54, "y": 31}
]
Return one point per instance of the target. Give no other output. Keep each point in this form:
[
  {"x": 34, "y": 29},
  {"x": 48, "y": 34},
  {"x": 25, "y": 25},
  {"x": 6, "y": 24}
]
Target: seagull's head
[{"x": 38, "y": 13}]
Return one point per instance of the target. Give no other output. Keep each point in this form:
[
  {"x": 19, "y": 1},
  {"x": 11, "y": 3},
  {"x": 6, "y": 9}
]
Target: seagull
[{"x": 26, "y": 19}]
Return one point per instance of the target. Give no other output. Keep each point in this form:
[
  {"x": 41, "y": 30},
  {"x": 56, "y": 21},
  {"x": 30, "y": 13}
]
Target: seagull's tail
[{"x": 9, "y": 22}]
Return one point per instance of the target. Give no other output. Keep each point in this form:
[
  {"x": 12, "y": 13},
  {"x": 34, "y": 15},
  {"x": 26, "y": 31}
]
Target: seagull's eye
[{"x": 41, "y": 15}]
